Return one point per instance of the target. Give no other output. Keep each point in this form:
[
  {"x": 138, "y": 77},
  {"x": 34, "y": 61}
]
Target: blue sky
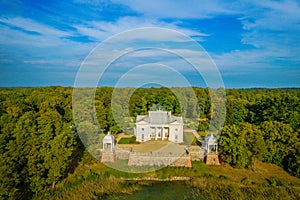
[{"x": 253, "y": 43}]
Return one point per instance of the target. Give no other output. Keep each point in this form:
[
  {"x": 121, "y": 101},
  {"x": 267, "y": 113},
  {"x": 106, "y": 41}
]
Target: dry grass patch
[{"x": 262, "y": 172}]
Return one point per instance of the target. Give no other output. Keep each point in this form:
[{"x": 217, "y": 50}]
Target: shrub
[
  {"x": 246, "y": 181},
  {"x": 208, "y": 175},
  {"x": 133, "y": 140},
  {"x": 274, "y": 182},
  {"x": 164, "y": 176},
  {"x": 223, "y": 177},
  {"x": 92, "y": 176}
]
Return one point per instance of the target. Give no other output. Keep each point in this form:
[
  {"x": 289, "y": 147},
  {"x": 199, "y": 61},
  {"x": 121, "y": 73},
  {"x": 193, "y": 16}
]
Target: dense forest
[{"x": 39, "y": 144}]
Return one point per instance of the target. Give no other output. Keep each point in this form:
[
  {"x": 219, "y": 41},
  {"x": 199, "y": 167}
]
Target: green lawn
[
  {"x": 131, "y": 140},
  {"x": 124, "y": 141},
  {"x": 188, "y": 138}
]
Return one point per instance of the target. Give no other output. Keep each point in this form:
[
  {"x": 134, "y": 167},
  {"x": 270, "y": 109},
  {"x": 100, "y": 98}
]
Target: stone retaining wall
[
  {"x": 175, "y": 178},
  {"x": 158, "y": 159},
  {"x": 196, "y": 153},
  {"x": 122, "y": 153},
  {"x": 154, "y": 158}
]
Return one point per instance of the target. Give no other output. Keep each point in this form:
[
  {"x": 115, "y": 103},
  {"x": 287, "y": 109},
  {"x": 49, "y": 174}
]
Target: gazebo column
[{"x": 163, "y": 133}]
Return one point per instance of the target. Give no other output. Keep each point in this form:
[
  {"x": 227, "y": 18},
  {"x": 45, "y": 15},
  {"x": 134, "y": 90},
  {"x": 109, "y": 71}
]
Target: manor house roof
[{"x": 159, "y": 117}]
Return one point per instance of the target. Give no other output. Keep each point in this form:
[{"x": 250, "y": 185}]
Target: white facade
[{"x": 159, "y": 125}]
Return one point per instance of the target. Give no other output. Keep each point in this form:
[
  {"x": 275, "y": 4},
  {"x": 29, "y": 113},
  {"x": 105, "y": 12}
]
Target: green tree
[
  {"x": 279, "y": 139},
  {"x": 233, "y": 148}
]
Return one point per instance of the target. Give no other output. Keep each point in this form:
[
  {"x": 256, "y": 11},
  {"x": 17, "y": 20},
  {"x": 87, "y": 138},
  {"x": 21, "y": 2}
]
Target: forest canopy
[{"x": 38, "y": 140}]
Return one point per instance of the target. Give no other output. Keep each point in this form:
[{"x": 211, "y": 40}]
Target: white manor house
[{"x": 159, "y": 125}]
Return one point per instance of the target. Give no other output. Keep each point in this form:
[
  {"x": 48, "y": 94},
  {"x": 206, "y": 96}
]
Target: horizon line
[{"x": 41, "y": 86}]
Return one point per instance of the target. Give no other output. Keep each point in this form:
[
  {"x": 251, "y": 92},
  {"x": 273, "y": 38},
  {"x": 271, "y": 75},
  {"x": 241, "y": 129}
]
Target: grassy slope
[
  {"x": 262, "y": 172},
  {"x": 92, "y": 181}
]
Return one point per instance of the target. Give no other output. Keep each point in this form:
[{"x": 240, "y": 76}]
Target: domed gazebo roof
[
  {"x": 210, "y": 139},
  {"x": 109, "y": 138}
]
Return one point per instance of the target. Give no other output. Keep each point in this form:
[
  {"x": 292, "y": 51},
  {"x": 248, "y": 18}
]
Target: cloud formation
[{"x": 263, "y": 38}]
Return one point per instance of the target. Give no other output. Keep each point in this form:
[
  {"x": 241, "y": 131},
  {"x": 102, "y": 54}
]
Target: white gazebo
[
  {"x": 211, "y": 144},
  {"x": 108, "y": 143}
]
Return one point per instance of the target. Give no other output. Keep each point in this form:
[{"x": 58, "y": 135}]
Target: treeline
[
  {"x": 36, "y": 139},
  {"x": 252, "y": 106},
  {"x": 112, "y": 106},
  {"x": 273, "y": 142},
  {"x": 262, "y": 125},
  {"x": 258, "y": 105},
  {"x": 39, "y": 144}
]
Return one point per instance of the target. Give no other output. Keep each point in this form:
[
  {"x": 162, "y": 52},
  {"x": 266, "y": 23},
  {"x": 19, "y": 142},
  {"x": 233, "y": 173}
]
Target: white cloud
[
  {"x": 273, "y": 27},
  {"x": 268, "y": 21},
  {"x": 34, "y": 26},
  {"x": 17, "y": 31},
  {"x": 251, "y": 61},
  {"x": 282, "y": 15},
  {"x": 100, "y": 30},
  {"x": 46, "y": 48},
  {"x": 178, "y": 9}
]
